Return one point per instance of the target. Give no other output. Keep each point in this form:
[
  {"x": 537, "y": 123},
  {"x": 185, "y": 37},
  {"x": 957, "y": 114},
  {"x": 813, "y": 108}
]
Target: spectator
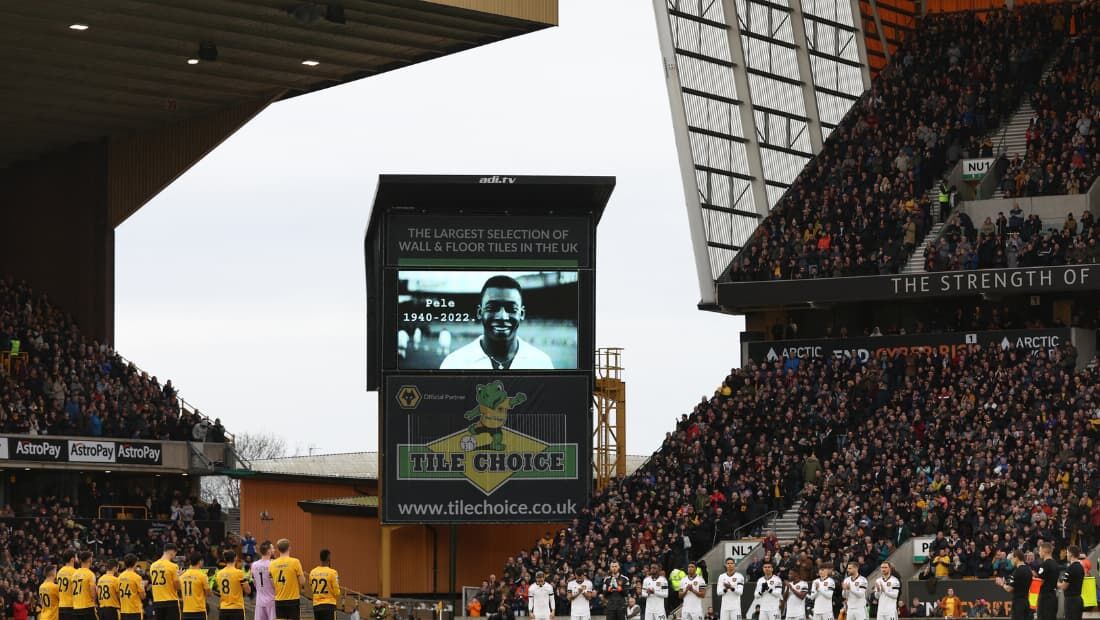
[
  {"x": 72, "y": 386},
  {"x": 853, "y": 208},
  {"x": 1062, "y": 155},
  {"x": 885, "y": 422},
  {"x": 951, "y": 605}
]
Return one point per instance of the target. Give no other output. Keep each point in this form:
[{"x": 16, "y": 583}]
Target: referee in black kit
[
  {"x": 1049, "y": 572},
  {"x": 1019, "y": 584},
  {"x": 1071, "y": 585}
]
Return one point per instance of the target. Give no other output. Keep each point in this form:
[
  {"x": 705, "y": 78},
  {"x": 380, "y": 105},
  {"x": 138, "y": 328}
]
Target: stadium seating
[
  {"x": 34, "y": 533},
  {"x": 1062, "y": 153},
  {"x": 858, "y": 208},
  {"x": 890, "y": 433},
  {"x": 72, "y": 386},
  {"x": 1014, "y": 241},
  {"x": 66, "y": 385}
]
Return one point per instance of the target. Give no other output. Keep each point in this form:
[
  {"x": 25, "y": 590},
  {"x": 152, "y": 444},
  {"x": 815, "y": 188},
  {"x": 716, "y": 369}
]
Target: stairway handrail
[{"x": 763, "y": 517}]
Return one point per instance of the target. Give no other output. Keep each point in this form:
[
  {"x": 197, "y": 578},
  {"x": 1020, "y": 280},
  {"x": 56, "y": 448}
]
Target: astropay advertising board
[
  {"x": 489, "y": 448},
  {"x": 49, "y": 449}
]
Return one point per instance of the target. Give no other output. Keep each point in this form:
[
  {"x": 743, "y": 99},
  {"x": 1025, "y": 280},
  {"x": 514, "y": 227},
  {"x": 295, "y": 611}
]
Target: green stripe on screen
[{"x": 500, "y": 263}]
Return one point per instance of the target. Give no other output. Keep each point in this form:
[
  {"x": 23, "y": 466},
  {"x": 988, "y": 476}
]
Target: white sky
[{"x": 243, "y": 282}]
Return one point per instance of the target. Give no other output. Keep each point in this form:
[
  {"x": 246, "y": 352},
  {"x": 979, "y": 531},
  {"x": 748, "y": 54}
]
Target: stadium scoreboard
[{"x": 481, "y": 333}]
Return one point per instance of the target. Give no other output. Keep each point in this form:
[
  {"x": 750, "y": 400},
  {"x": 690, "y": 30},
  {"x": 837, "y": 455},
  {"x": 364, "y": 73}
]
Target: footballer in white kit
[
  {"x": 855, "y": 593},
  {"x": 731, "y": 585},
  {"x": 821, "y": 593},
  {"x": 887, "y": 589},
  {"x": 655, "y": 591},
  {"x": 768, "y": 593},
  {"x": 580, "y": 591},
  {"x": 540, "y": 598},
  {"x": 693, "y": 589},
  {"x": 797, "y": 589}
]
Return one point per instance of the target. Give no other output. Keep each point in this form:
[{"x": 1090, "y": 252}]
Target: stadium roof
[
  {"x": 81, "y": 70},
  {"x": 346, "y": 466},
  {"x": 353, "y": 466},
  {"x": 356, "y": 505}
]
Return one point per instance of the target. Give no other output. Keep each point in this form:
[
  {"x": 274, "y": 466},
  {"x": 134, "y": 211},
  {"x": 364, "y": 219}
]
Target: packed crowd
[
  {"x": 1062, "y": 155},
  {"x": 884, "y": 429},
  {"x": 36, "y": 534},
  {"x": 1025, "y": 477},
  {"x": 1014, "y": 241},
  {"x": 72, "y": 386},
  {"x": 858, "y": 207}
]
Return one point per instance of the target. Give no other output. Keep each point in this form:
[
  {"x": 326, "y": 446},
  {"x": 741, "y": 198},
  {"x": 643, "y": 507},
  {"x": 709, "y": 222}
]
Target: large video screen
[{"x": 487, "y": 320}]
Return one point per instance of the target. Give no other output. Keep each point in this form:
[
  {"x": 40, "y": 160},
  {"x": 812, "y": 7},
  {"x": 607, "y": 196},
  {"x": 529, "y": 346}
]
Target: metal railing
[
  {"x": 122, "y": 512},
  {"x": 11, "y": 362},
  {"x": 186, "y": 407},
  {"x": 762, "y": 518}
]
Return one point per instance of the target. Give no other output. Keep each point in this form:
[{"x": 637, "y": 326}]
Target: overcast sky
[{"x": 243, "y": 282}]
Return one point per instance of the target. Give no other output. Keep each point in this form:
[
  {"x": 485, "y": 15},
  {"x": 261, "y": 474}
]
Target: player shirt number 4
[{"x": 284, "y": 573}]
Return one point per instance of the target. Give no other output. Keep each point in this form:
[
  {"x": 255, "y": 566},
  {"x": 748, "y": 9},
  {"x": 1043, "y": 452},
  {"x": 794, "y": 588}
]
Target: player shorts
[
  {"x": 1048, "y": 607},
  {"x": 288, "y": 610},
  {"x": 108, "y": 613},
  {"x": 690, "y": 615},
  {"x": 538, "y": 616},
  {"x": 584, "y": 617},
  {"x": 828, "y": 616},
  {"x": 856, "y": 615},
  {"x": 731, "y": 614},
  {"x": 772, "y": 615},
  {"x": 326, "y": 611},
  {"x": 64, "y": 613},
  {"x": 137, "y": 616},
  {"x": 194, "y": 615},
  {"x": 796, "y": 617},
  {"x": 86, "y": 613},
  {"x": 166, "y": 610},
  {"x": 265, "y": 610},
  {"x": 230, "y": 614}
]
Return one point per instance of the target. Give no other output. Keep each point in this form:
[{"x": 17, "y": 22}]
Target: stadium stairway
[
  {"x": 1009, "y": 139},
  {"x": 915, "y": 264},
  {"x": 233, "y": 520},
  {"x": 1012, "y": 139},
  {"x": 785, "y": 525}
]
